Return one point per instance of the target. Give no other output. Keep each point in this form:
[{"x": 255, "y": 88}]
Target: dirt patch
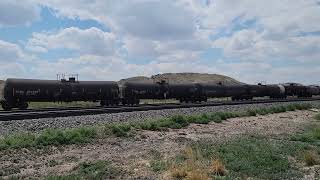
[{"x": 134, "y": 154}]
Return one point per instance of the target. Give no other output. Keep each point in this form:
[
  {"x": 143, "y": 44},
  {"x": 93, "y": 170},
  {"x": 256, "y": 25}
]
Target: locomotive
[{"x": 18, "y": 92}]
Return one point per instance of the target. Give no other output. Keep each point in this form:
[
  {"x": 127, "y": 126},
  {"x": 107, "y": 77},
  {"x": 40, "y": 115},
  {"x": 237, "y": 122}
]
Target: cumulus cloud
[
  {"x": 13, "y": 69},
  {"x": 10, "y": 52},
  {"x": 155, "y": 20},
  {"x": 88, "y": 41},
  {"x": 147, "y": 21},
  {"x": 12, "y": 60},
  {"x": 145, "y": 27},
  {"x": 278, "y": 16},
  {"x": 14, "y": 12},
  {"x": 251, "y": 45},
  {"x": 152, "y": 19},
  {"x": 260, "y": 40}
]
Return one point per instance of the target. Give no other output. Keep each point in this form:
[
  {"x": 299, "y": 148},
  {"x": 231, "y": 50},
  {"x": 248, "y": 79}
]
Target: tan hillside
[
  {"x": 135, "y": 79},
  {"x": 184, "y": 78}
]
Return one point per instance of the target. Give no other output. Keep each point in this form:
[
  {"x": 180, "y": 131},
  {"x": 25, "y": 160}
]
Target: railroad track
[
  {"x": 79, "y": 111},
  {"x": 67, "y": 108}
]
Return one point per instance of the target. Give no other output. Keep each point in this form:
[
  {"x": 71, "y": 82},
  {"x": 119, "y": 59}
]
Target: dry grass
[
  {"x": 196, "y": 167},
  {"x": 179, "y": 172},
  {"x": 183, "y": 172},
  {"x": 218, "y": 168},
  {"x": 197, "y": 174},
  {"x": 311, "y": 158}
]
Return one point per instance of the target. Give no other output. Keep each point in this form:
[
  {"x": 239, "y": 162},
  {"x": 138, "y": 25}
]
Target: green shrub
[
  {"x": 179, "y": 121},
  {"x": 252, "y": 112},
  {"x": 222, "y": 115},
  {"x": 159, "y": 165},
  {"x": 215, "y": 118},
  {"x": 263, "y": 111},
  {"x": 21, "y": 140},
  {"x": 98, "y": 170},
  {"x": 311, "y": 136},
  {"x": 68, "y": 136},
  {"x": 91, "y": 170},
  {"x": 48, "y": 137},
  {"x": 278, "y": 109},
  {"x": 197, "y": 119},
  {"x": 120, "y": 130},
  {"x": 291, "y": 107},
  {"x": 303, "y": 106}
]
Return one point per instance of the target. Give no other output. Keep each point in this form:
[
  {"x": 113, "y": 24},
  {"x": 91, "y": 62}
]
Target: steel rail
[
  {"x": 68, "y": 108},
  {"x": 60, "y": 112}
]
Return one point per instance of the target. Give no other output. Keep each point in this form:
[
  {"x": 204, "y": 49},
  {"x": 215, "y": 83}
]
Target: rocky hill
[{"x": 184, "y": 78}]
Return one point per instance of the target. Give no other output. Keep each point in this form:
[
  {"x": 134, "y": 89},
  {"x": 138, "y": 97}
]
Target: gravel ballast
[{"x": 36, "y": 125}]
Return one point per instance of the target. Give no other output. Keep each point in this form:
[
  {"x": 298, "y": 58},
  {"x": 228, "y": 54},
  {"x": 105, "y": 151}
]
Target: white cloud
[
  {"x": 151, "y": 28},
  {"x": 154, "y": 23},
  {"x": 153, "y": 19},
  {"x": 88, "y": 41},
  {"x": 175, "y": 50},
  {"x": 253, "y": 46},
  {"x": 10, "y": 52},
  {"x": 82, "y": 9},
  {"x": 12, "y": 69},
  {"x": 173, "y": 34},
  {"x": 156, "y": 20},
  {"x": 12, "y": 60},
  {"x": 15, "y": 12}
]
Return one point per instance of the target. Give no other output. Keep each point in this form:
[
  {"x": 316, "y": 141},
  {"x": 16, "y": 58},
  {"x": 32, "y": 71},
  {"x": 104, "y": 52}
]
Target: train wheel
[
  {"x": 6, "y": 106},
  {"x": 23, "y": 105},
  {"x": 102, "y": 103}
]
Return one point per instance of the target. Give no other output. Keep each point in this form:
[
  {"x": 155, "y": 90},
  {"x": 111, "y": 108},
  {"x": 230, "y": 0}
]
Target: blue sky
[{"x": 252, "y": 41}]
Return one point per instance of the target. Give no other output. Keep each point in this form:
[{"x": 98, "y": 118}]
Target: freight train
[{"x": 18, "y": 92}]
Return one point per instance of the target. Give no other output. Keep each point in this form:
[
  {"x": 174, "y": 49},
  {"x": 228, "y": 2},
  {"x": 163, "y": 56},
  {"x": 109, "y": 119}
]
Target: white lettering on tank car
[
  {"x": 138, "y": 92},
  {"x": 28, "y": 92},
  {"x": 32, "y": 92}
]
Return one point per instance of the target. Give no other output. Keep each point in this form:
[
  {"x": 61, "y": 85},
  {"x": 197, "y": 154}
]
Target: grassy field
[
  {"x": 253, "y": 157},
  {"x": 244, "y": 157},
  {"x": 87, "y": 134},
  {"x": 247, "y": 156}
]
